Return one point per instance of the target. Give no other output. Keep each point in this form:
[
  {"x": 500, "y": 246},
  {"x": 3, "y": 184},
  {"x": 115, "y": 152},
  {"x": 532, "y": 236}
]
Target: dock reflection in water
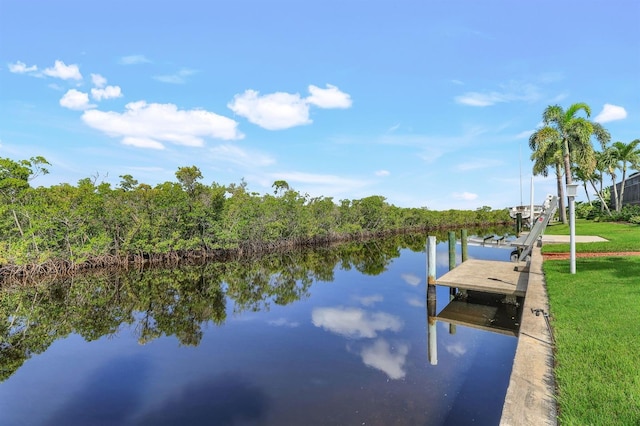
[{"x": 484, "y": 311}]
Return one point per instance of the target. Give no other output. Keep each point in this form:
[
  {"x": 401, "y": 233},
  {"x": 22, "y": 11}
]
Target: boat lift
[{"x": 523, "y": 243}]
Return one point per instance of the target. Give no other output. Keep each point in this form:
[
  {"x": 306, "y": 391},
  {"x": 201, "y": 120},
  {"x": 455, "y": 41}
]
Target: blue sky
[{"x": 427, "y": 103}]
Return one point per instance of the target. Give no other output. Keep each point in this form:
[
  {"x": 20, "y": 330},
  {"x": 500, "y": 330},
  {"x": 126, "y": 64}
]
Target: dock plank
[{"x": 487, "y": 275}]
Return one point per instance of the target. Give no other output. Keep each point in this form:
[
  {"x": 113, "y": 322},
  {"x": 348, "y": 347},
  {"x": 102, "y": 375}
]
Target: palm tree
[
  {"x": 547, "y": 152},
  {"x": 573, "y": 134},
  {"x": 605, "y": 162},
  {"x": 625, "y": 155},
  {"x": 608, "y": 161},
  {"x": 582, "y": 176}
]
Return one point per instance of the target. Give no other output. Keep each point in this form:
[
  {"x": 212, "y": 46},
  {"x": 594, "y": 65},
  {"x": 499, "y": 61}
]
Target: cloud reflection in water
[
  {"x": 355, "y": 322},
  {"x": 369, "y": 300},
  {"x": 283, "y": 322},
  {"x": 456, "y": 349},
  {"x": 411, "y": 279},
  {"x": 379, "y": 355}
]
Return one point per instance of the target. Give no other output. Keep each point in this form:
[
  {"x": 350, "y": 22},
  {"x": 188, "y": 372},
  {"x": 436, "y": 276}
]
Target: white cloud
[
  {"x": 281, "y": 110},
  {"x": 134, "y": 59},
  {"x": 354, "y": 322},
  {"x": 512, "y": 91},
  {"x": 63, "y": 71},
  {"x": 331, "y": 97},
  {"x": 610, "y": 113},
  {"x": 177, "y": 78},
  {"x": 466, "y": 196},
  {"x": 142, "y": 142},
  {"x": 108, "y": 92},
  {"x": 479, "y": 99},
  {"x": 241, "y": 157},
  {"x": 98, "y": 80},
  {"x": 101, "y": 92},
  {"x": 76, "y": 100},
  {"x": 380, "y": 356},
  {"x": 274, "y": 111},
  {"x": 411, "y": 279},
  {"x": 149, "y": 125},
  {"x": 22, "y": 68},
  {"x": 382, "y": 173}
]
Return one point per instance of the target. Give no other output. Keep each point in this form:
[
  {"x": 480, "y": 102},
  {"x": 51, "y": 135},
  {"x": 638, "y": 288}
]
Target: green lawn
[
  {"x": 596, "y": 319},
  {"x": 620, "y": 236}
]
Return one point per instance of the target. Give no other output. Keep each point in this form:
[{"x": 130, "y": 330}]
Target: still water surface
[{"x": 321, "y": 338}]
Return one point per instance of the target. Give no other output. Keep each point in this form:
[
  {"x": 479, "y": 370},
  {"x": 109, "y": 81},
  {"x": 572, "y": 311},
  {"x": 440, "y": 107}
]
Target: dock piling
[
  {"x": 432, "y": 341},
  {"x": 463, "y": 244},
  {"x": 452, "y": 250},
  {"x": 452, "y": 265}
]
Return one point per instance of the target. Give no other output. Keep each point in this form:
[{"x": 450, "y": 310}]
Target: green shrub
[
  {"x": 585, "y": 211},
  {"x": 625, "y": 215}
]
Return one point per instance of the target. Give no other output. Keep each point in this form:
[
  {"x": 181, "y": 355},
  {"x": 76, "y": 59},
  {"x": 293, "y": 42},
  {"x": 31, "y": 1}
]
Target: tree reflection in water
[{"x": 178, "y": 302}]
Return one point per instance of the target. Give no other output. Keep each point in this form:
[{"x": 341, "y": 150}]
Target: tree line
[
  {"x": 64, "y": 226},
  {"x": 579, "y": 149}
]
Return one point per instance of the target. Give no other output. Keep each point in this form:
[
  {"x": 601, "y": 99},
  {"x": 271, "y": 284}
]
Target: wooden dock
[{"x": 491, "y": 276}]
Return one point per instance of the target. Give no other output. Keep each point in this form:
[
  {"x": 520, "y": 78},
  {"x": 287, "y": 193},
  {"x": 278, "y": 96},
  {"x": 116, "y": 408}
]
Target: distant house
[{"x": 631, "y": 191}]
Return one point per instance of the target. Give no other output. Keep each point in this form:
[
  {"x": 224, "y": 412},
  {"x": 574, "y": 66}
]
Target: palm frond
[{"x": 574, "y": 108}]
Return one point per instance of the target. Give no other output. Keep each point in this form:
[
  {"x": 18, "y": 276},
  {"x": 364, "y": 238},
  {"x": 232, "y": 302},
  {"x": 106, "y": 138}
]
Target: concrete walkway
[
  {"x": 530, "y": 395},
  {"x": 565, "y": 239}
]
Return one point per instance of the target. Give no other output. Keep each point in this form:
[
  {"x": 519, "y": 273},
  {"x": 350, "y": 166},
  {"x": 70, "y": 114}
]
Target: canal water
[{"x": 324, "y": 337}]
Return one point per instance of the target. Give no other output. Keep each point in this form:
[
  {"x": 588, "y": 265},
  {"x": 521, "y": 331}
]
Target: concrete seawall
[{"x": 530, "y": 396}]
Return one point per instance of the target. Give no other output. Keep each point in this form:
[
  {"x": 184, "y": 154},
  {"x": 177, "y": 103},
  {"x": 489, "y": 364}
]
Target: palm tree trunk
[
  {"x": 586, "y": 191},
  {"x": 603, "y": 205},
  {"x": 567, "y": 168},
  {"x": 619, "y": 201},
  {"x": 615, "y": 189},
  {"x": 600, "y": 193},
  {"x": 561, "y": 208}
]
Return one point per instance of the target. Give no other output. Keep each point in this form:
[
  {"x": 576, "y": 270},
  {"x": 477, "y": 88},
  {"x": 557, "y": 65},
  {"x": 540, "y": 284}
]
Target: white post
[
  {"x": 432, "y": 339},
  {"x": 572, "y": 188},
  {"x": 531, "y": 218}
]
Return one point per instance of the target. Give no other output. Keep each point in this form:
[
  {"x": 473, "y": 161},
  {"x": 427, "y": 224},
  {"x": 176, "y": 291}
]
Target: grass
[
  {"x": 620, "y": 236},
  {"x": 596, "y": 319}
]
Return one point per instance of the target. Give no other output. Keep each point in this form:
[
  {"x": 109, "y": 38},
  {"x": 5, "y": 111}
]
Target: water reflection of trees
[{"x": 175, "y": 302}]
